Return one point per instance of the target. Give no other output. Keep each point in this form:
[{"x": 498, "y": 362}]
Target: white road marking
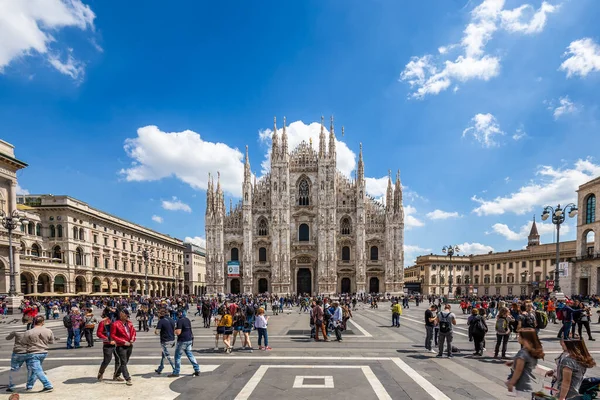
[
  {"x": 424, "y": 383},
  {"x": 299, "y": 382},
  {"x": 375, "y": 383},
  {"x": 247, "y": 390},
  {"x": 360, "y": 328}
]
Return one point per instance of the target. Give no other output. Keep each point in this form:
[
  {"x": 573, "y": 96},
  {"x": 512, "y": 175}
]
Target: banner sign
[
  {"x": 563, "y": 269},
  {"x": 233, "y": 269}
]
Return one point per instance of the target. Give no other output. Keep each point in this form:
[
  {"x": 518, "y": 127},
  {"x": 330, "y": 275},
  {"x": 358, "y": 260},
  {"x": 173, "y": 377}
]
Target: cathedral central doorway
[
  {"x": 263, "y": 285},
  {"x": 345, "y": 285},
  {"x": 235, "y": 286},
  {"x": 304, "y": 281},
  {"x": 374, "y": 285}
]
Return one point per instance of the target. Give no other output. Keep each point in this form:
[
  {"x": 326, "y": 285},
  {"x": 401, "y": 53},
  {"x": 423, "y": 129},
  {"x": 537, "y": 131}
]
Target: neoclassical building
[
  {"x": 304, "y": 228},
  {"x": 586, "y": 276},
  {"x": 70, "y": 247}
]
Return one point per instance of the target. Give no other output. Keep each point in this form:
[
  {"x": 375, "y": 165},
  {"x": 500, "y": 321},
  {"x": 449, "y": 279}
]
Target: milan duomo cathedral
[{"x": 305, "y": 228}]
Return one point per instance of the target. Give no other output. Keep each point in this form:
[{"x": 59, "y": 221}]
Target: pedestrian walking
[
  {"x": 429, "y": 326},
  {"x": 108, "y": 345},
  {"x": 123, "y": 334},
  {"x": 239, "y": 319},
  {"x": 445, "y": 320},
  {"x": 396, "y": 313},
  {"x": 19, "y": 356},
  {"x": 523, "y": 364},
  {"x": 89, "y": 323},
  {"x": 142, "y": 317},
  {"x": 261, "y": 326},
  {"x": 226, "y": 325},
  {"x": 165, "y": 328},
  {"x": 74, "y": 330},
  {"x": 502, "y": 331},
  {"x": 37, "y": 341},
  {"x": 319, "y": 320},
  {"x": 477, "y": 330},
  {"x": 337, "y": 321},
  {"x": 185, "y": 341}
]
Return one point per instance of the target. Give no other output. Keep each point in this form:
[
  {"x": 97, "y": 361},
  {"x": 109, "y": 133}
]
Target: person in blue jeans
[
  {"x": 37, "y": 341},
  {"x": 166, "y": 329},
  {"x": 185, "y": 340},
  {"x": 18, "y": 358}
]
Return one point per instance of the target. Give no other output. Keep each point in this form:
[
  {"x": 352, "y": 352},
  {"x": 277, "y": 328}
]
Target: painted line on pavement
[
  {"x": 247, "y": 390},
  {"x": 424, "y": 383},
  {"x": 375, "y": 383},
  {"x": 360, "y": 328}
]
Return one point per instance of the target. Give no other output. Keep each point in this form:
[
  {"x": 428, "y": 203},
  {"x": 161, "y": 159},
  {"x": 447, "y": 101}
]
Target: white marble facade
[{"x": 305, "y": 228}]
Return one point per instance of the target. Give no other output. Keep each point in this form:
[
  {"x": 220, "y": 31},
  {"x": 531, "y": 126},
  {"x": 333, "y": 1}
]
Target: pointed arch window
[
  {"x": 346, "y": 227},
  {"x": 590, "y": 209},
  {"x": 263, "y": 228},
  {"x": 303, "y": 192}
]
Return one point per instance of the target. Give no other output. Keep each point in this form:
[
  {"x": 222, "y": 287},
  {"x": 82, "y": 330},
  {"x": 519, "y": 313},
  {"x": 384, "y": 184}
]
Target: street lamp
[
  {"x": 450, "y": 251},
  {"x": 10, "y": 222},
  {"x": 146, "y": 254},
  {"x": 558, "y": 217}
]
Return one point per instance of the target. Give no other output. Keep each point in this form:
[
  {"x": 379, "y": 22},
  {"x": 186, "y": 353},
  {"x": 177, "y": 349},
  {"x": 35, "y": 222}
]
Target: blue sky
[{"x": 488, "y": 108}]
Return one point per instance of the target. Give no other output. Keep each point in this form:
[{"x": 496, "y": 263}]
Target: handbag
[{"x": 319, "y": 323}]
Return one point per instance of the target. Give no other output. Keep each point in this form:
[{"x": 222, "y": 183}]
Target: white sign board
[
  {"x": 233, "y": 269},
  {"x": 563, "y": 269}
]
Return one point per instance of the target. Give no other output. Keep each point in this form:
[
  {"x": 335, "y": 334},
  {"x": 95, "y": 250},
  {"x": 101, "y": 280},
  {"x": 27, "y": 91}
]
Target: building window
[
  {"x": 262, "y": 254},
  {"x": 79, "y": 256},
  {"x": 467, "y": 280},
  {"x": 498, "y": 266},
  {"x": 75, "y": 233},
  {"x": 477, "y": 268},
  {"x": 56, "y": 253},
  {"x": 486, "y": 279},
  {"x": 345, "y": 226},
  {"x": 498, "y": 279},
  {"x": 95, "y": 238},
  {"x": 116, "y": 264},
  {"x": 81, "y": 234},
  {"x": 106, "y": 263},
  {"x": 510, "y": 265},
  {"x": 38, "y": 229},
  {"x": 524, "y": 264},
  {"x": 96, "y": 262},
  {"x": 374, "y": 253},
  {"x": 52, "y": 231},
  {"x": 30, "y": 228},
  {"x": 538, "y": 263},
  {"x": 346, "y": 253},
  {"x": 486, "y": 267},
  {"x": 263, "y": 228},
  {"x": 433, "y": 280},
  {"x": 467, "y": 268},
  {"x": 510, "y": 290},
  {"x": 458, "y": 280},
  {"x": 35, "y": 250},
  {"x": 115, "y": 243},
  {"x": 538, "y": 276},
  {"x": 235, "y": 254},
  {"x": 303, "y": 233},
  {"x": 477, "y": 280},
  {"x": 590, "y": 209},
  {"x": 303, "y": 192}
]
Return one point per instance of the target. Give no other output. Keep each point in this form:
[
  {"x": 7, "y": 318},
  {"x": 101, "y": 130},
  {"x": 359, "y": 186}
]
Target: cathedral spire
[
  {"x": 209, "y": 196},
  {"x": 275, "y": 146},
  {"x": 534, "y": 237},
  {"x": 284, "y": 141},
  {"x": 361, "y": 166},
  {"x": 220, "y": 200},
  {"x": 322, "y": 143},
  {"x": 389, "y": 192},
  {"x": 398, "y": 194},
  {"x": 247, "y": 167},
  {"x": 331, "y": 141}
]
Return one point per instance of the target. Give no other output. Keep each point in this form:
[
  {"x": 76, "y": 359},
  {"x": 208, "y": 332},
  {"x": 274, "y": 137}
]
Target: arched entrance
[
  {"x": 235, "y": 286},
  {"x": 26, "y": 283},
  {"x": 304, "y": 281},
  {"x": 345, "y": 285},
  {"x": 263, "y": 285},
  {"x": 80, "y": 284},
  {"x": 43, "y": 283},
  {"x": 458, "y": 291},
  {"x": 96, "y": 285},
  {"x": 374, "y": 285},
  {"x": 59, "y": 284}
]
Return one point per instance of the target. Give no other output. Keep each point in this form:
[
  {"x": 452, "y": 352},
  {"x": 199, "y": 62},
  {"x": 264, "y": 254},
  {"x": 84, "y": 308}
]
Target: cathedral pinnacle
[
  {"x": 247, "y": 167},
  {"x": 284, "y": 141},
  {"x": 275, "y": 144},
  {"x": 361, "y": 166},
  {"x": 331, "y": 141},
  {"x": 322, "y": 143}
]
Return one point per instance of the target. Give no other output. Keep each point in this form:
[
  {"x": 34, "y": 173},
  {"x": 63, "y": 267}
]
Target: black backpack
[
  {"x": 479, "y": 326},
  {"x": 67, "y": 322},
  {"x": 445, "y": 323}
]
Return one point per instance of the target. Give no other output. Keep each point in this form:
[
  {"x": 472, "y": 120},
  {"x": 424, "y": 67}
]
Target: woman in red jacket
[
  {"x": 108, "y": 345},
  {"x": 122, "y": 333}
]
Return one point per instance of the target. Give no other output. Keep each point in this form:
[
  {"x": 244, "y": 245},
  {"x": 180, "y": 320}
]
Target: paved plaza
[{"x": 374, "y": 361}]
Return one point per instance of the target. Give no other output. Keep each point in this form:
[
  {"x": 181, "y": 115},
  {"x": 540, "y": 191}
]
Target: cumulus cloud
[
  {"x": 410, "y": 221},
  {"x": 552, "y": 186},
  {"x": 519, "y": 134},
  {"x": 299, "y": 131},
  {"x": 176, "y": 205},
  {"x": 583, "y": 58},
  {"x": 484, "y": 129},
  {"x": 474, "y": 248},
  {"x": 197, "y": 240},
  {"x": 157, "y": 218},
  {"x": 21, "y": 190},
  {"x": 439, "y": 214},
  {"x": 185, "y": 155},
  {"x": 523, "y": 233},
  {"x": 28, "y": 27},
  {"x": 411, "y": 252},
  {"x": 566, "y": 106},
  {"x": 430, "y": 75}
]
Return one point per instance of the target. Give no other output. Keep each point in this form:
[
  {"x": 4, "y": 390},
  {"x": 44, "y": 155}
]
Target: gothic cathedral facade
[{"x": 305, "y": 228}]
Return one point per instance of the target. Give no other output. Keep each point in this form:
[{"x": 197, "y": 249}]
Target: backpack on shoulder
[
  {"x": 67, "y": 322},
  {"x": 541, "y": 318},
  {"x": 502, "y": 326},
  {"x": 480, "y": 327},
  {"x": 445, "y": 323}
]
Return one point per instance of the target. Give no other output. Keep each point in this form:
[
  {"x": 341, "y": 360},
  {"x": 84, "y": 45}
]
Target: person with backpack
[
  {"x": 445, "y": 320},
  {"x": 526, "y": 319},
  {"x": 564, "y": 314},
  {"x": 477, "y": 330},
  {"x": 502, "y": 331},
  {"x": 584, "y": 321}
]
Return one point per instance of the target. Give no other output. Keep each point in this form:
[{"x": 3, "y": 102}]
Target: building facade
[
  {"x": 71, "y": 247},
  {"x": 304, "y": 228},
  {"x": 514, "y": 272},
  {"x": 586, "y": 277},
  {"x": 194, "y": 269}
]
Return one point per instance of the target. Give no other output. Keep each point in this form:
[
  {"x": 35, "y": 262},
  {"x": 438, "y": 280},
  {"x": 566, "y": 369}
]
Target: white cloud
[
  {"x": 484, "y": 128},
  {"x": 197, "y": 240},
  {"x": 21, "y": 190},
  {"x": 431, "y": 75},
  {"x": 439, "y": 214},
  {"x": 566, "y": 107},
  {"x": 157, "y": 155},
  {"x": 377, "y": 187},
  {"x": 28, "y": 27},
  {"x": 553, "y": 186},
  {"x": 584, "y": 58},
  {"x": 507, "y": 179},
  {"x": 299, "y": 131},
  {"x": 410, "y": 221},
  {"x": 474, "y": 248},
  {"x": 176, "y": 205},
  {"x": 157, "y": 218},
  {"x": 519, "y": 134},
  {"x": 411, "y": 252},
  {"x": 523, "y": 233}
]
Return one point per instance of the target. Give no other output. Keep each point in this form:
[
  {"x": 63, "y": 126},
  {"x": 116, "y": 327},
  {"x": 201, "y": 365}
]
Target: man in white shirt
[{"x": 337, "y": 319}]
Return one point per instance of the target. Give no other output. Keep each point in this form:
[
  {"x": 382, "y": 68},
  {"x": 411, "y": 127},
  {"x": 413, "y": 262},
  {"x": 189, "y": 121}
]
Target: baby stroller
[{"x": 589, "y": 388}]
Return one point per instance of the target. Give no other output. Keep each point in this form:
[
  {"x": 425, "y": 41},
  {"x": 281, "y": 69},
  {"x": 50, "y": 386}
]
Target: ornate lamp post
[
  {"x": 146, "y": 254},
  {"x": 558, "y": 217},
  {"x": 11, "y": 222},
  {"x": 450, "y": 251}
]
